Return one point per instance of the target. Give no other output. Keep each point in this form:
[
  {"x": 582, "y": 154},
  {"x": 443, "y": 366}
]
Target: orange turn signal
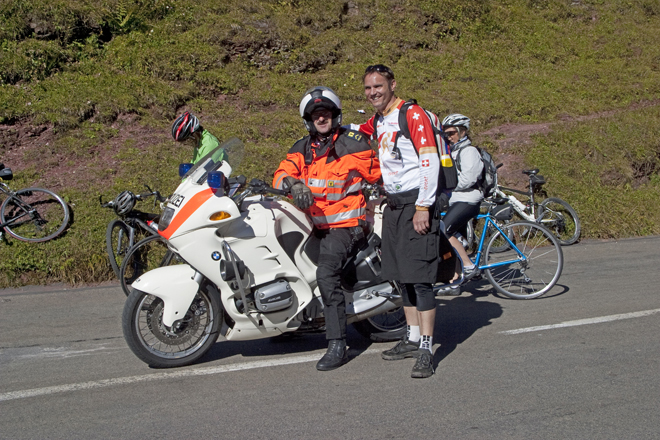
[{"x": 220, "y": 215}]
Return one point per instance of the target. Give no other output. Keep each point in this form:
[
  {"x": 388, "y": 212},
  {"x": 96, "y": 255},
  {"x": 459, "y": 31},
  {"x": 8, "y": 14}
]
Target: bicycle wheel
[
  {"x": 532, "y": 276},
  {"x": 147, "y": 254},
  {"x": 34, "y": 215},
  {"x": 558, "y": 216},
  {"x": 117, "y": 242}
]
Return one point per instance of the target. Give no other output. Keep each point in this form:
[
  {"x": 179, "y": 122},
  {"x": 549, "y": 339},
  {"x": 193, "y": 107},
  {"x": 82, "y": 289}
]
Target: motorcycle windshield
[{"x": 213, "y": 160}]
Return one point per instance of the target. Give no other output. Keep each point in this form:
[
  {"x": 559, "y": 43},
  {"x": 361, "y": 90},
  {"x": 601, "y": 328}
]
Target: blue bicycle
[{"x": 522, "y": 259}]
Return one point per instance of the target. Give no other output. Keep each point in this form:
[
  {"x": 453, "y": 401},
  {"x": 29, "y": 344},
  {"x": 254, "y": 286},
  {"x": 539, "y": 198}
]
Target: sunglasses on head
[{"x": 381, "y": 68}]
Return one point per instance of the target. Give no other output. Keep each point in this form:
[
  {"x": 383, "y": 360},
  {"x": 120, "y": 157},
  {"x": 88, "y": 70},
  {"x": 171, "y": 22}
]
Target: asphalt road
[{"x": 582, "y": 362}]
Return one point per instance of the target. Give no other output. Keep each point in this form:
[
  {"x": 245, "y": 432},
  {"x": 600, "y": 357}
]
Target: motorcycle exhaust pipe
[{"x": 382, "y": 308}]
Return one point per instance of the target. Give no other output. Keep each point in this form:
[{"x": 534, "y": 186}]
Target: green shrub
[{"x": 591, "y": 69}]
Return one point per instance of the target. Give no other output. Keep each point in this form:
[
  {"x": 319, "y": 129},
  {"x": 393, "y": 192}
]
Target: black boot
[{"x": 335, "y": 357}]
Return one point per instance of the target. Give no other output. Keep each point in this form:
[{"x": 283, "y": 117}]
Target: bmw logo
[{"x": 215, "y": 255}]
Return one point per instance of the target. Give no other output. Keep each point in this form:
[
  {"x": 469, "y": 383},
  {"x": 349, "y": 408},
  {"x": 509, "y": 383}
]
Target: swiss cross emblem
[
  {"x": 415, "y": 116},
  {"x": 425, "y": 163},
  {"x": 421, "y": 128},
  {"x": 423, "y": 140}
]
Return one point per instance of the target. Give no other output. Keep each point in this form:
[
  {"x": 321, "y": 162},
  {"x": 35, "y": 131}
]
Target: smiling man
[
  {"x": 324, "y": 173},
  {"x": 410, "y": 167}
]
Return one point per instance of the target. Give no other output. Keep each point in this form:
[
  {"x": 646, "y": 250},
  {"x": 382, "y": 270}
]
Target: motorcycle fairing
[{"x": 175, "y": 285}]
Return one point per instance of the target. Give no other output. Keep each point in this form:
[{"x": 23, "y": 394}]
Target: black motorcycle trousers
[{"x": 337, "y": 245}]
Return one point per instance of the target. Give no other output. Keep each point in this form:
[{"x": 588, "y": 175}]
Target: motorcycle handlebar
[
  {"x": 276, "y": 191},
  {"x": 260, "y": 187},
  {"x": 257, "y": 186}
]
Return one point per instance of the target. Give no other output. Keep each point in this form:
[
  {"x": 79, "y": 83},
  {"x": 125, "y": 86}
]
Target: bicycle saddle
[
  {"x": 6, "y": 174},
  {"x": 499, "y": 200},
  {"x": 531, "y": 172}
]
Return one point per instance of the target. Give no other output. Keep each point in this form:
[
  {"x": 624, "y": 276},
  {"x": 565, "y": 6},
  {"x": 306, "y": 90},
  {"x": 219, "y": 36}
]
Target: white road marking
[
  {"x": 61, "y": 352},
  {"x": 582, "y": 322},
  {"x": 13, "y": 395}
]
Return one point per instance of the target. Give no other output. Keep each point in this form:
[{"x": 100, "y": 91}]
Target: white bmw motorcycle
[{"x": 249, "y": 272}]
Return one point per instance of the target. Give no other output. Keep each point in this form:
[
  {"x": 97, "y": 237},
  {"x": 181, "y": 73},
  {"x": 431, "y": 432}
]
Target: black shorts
[
  {"x": 458, "y": 215},
  {"x": 407, "y": 256}
]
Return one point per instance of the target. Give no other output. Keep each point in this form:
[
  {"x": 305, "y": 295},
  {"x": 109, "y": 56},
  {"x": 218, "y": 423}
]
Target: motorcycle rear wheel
[
  {"x": 188, "y": 339},
  {"x": 386, "y": 327}
]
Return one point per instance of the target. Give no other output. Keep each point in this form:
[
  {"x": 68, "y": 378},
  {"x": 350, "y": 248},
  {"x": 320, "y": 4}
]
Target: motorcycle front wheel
[
  {"x": 386, "y": 327},
  {"x": 182, "y": 344}
]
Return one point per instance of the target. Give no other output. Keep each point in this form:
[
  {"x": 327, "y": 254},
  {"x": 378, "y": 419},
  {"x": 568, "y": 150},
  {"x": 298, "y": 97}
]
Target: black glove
[
  {"x": 442, "y": 203},
  {"x": 302, "y": 195}
]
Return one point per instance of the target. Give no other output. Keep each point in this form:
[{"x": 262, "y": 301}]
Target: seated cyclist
[
  {"x": 466, "y": 198},
  {"x": 187, "y": 127}
]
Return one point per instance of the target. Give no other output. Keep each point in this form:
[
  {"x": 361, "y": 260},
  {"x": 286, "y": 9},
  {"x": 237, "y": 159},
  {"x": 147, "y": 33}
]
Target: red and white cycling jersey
[{"x": 406, "y": 164}]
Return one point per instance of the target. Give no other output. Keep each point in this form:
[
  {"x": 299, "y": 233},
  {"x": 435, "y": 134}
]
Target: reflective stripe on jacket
[{"x": 334, "y": 175}]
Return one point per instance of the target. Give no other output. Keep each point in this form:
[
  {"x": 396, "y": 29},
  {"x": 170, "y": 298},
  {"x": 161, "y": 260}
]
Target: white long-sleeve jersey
[{"x": 406, "y": 164}]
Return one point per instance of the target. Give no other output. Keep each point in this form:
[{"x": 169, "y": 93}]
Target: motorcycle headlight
[{"x": 165, "y": 219}]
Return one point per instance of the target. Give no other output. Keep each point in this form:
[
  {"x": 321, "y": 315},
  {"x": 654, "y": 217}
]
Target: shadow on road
[{"x": 458, "y": 318}]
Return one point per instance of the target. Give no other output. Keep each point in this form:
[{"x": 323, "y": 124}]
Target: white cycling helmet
[
  {"x": 456, "y": 120},
  {"x": 320, "y": 97}
]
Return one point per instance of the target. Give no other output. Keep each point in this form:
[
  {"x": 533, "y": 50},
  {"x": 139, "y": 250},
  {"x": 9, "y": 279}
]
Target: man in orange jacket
[{"x": 324, "y": 173}]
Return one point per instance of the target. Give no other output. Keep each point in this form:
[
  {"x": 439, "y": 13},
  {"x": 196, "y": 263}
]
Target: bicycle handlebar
[{"x": 138, "y": 197}]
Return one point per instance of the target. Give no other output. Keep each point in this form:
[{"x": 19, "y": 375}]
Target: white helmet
[
  {"x": 320, "y": 97},
  {"x": 456, "y": 120}
]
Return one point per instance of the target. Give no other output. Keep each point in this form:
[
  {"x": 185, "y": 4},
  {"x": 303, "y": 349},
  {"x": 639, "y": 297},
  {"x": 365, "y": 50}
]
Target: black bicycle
[
  {"x": 153, "y": 252},
  {"x": 147, "y": 254},
  {"x": 32, "y": 214},
  {"x": 131, "y": 226}
]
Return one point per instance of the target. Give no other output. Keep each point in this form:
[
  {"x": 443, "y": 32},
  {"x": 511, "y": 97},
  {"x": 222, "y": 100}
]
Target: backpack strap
[
  {"x": 403, "y": 121},
  {"x": 477, "y": 185}
]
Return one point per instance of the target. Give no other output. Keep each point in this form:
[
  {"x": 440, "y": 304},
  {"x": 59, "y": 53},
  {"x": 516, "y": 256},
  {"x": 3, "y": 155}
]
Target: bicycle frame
[
  {"x": 477, "y": 261},
  {"x": 133, "y": 224},
  {"x": 520, "y": 208},
  {"x": 24, "y": 206}
]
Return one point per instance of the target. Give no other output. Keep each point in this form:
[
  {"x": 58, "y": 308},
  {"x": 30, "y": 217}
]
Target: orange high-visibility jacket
[{"x": 334, "y": 176}]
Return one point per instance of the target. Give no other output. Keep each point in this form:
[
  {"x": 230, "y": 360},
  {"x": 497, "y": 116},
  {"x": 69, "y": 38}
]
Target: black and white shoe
[
  {"x": 403, "y": 349},
  {"x": 424, "y": 366}
]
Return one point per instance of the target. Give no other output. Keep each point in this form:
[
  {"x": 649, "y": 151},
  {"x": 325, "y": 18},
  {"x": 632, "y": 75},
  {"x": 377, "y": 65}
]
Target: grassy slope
[{"x": 80, "y": 67}]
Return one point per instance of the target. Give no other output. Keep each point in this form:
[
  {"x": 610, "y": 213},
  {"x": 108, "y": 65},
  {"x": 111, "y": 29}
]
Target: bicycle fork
[{"x": 131, "y": 240}]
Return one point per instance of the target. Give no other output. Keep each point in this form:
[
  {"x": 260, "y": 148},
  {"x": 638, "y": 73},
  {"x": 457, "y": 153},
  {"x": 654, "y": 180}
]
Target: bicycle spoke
[
  {"x": 34, "y": 215},
  {"x": 561, "y": 219},
  {"x": 530, "y": 275}
]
